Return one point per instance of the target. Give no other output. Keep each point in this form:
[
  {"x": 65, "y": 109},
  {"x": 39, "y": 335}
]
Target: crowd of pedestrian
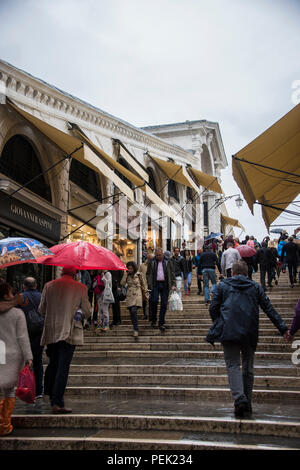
[{"x": 56, "y": 317}]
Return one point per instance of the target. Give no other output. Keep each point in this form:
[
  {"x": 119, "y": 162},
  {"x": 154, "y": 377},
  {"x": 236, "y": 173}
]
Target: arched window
[
  {"x": 20, "y": 162},
  {"x": 152, "y": 183},
  {"x": 172, "y": 190},
  {"x": 85, "y": 178}
]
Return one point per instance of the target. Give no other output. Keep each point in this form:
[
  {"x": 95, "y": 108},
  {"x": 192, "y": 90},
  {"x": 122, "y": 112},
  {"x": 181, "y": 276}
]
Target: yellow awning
[
  {"x": 135, "y": 165},
  {"x": 176, "y": 172},
  {"x": 279, "y": 148},
  {"x": 153, "y": 197},
  {"x": 229, "y": 221},
  {"x": 207, "y": 181},
  {"x": 69, "y": 144},
  {"x": 136, "y": 180}
]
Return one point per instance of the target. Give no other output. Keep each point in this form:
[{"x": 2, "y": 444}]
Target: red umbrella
[
  {"x": 246, "y": 251},
  {"x": 83, "y": 255}
]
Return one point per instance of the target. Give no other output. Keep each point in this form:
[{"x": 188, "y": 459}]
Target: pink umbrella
[
  {"x": 83, "y": 255},
  {"x": 246, "y": 251}
]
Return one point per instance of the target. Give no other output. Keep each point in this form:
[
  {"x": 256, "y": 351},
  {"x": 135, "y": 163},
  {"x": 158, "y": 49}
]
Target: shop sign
[{"x": 25, "y": 216}]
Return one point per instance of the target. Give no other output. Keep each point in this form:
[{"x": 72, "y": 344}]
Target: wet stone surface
[{"x": 155, "y": 407}]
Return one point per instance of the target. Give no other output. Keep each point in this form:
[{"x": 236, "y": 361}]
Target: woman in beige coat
[
  {"x": 134, "y": 297},
  {"x": 15, "y": 351}
]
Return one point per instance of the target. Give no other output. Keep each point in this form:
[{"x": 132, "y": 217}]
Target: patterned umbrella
[
  {"x": 15, "y": 250},
  {"x": 213, "y": 235}
]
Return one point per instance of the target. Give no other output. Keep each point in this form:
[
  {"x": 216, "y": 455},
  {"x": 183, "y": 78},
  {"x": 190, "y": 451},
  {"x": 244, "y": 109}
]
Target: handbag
[
  {"x": 175, "y": 303},
  {"x": 34, "y": 320},
  {"x": 122, "y": 293},
  {"x": 26, "y": 385},
  {"x": 108, "y": 297}
]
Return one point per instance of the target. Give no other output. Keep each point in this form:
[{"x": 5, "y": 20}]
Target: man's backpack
[{"x": 35, "y": 321}]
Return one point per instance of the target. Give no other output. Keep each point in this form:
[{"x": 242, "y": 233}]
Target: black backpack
[{"x": 35, "y": 321}]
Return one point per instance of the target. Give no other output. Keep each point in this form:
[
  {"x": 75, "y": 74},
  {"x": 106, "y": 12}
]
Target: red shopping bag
[{"x": 26, "y": 385}]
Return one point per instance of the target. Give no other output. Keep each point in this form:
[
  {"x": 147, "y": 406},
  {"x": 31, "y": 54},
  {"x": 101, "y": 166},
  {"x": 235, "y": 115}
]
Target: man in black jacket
[
  {"x": 208, "y": 262},
  {"x": 266, "y": 261},
  {"x": 160, "y": 279},
  {"x": 290, "y": 249},
  {"x": 234, "y": 310}
]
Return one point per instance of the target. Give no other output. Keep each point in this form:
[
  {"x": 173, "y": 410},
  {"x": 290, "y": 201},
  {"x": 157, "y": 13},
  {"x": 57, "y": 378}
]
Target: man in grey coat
[{"x": 61, "y": 300}]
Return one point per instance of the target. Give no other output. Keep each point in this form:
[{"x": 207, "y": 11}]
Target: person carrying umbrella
[{"x": 64, "y": 302}]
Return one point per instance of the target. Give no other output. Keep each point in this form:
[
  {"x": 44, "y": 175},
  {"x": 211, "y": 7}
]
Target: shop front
[
  {"x": 78, "y": 230},
  {"x": 18, "y": 219}
]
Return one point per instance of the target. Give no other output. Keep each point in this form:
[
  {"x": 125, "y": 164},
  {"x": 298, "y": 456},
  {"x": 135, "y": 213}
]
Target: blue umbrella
[
  {"x": 276, "y": 230},
  {"x": 17, "y": 250},
  {"x": 213, "y": 235}
]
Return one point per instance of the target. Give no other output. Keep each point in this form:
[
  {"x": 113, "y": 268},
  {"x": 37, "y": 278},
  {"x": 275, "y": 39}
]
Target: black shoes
[
  {"x": 243, "y": 410},
  {"x": 162, "y": 328}
]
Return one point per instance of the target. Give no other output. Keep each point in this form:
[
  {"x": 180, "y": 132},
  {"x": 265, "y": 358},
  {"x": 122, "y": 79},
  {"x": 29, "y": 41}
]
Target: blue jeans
[
  {"x": 56, "y": 376},
  {"x": 161, "y": 289},
  {"x": 188, "y": 282},
  {"x": 208, "y": 275}
]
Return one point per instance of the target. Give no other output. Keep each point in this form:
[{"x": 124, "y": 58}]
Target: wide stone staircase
[{"x": 169, "y": 391}]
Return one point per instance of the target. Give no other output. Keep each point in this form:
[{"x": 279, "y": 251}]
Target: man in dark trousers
[
  {"x": 234, "y": 309},
  {"x": 265, "y": 259},
  {"x": 207, "y": 263},
  {"x": 116, "y": 277},
  {"x": 160, "y": 279},
  {"x": 291, "y": 251}
]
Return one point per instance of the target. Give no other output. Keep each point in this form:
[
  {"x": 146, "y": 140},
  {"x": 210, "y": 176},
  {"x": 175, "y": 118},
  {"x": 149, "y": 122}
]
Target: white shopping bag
[{"x": 175, "y": 302}]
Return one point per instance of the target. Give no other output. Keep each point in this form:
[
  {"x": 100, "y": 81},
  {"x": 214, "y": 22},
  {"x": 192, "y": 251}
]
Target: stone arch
[
  {"x": 20, "y": 161},
  {"x": 46, "y": 152}
]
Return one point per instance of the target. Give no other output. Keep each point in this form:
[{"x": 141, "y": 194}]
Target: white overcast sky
[{"x": 162, "y": 61}]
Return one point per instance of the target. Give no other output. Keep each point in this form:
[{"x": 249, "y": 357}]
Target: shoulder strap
[{"x": 31, "y": 299}]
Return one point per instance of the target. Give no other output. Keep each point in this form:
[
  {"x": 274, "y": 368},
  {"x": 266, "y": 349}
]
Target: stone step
[
  {"x": 186, "y": 330},
  {"x": 159, "y": 345},
  {"x": 203, "y": 315},
  {"x": 187, "y": 393},
  {"x": 173, "y": 379},
  {"x": 169, "y": 337},
  {"x": 160, "y": 370},
  {"x": 140, "y": 441},
  {"x": 160, "y": 423},
  {"x": 170, "y": 355},
  {"x": 149, "y": 432}
]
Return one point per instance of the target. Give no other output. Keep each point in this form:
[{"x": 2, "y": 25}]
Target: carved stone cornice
[{"x": 34, "y": 93}]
